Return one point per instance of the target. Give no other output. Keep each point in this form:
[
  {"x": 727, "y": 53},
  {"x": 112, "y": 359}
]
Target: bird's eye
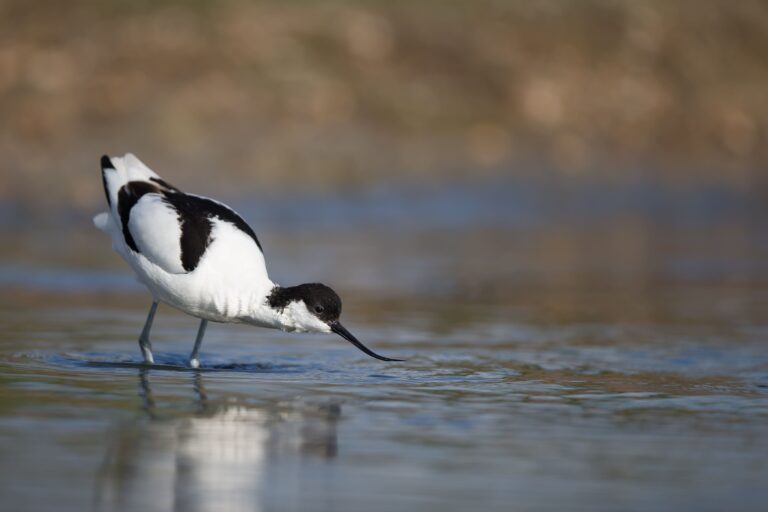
[{"x": 319, "y": 309}]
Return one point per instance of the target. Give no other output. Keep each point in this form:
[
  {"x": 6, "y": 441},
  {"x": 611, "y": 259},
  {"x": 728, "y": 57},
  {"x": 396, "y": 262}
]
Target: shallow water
[{"x": 619, "y": 367}]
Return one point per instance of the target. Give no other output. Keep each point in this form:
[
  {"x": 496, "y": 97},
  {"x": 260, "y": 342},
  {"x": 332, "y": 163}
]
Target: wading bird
[{"x": 199, "y": 256}]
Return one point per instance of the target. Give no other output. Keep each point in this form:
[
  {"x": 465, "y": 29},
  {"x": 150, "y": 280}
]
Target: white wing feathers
[{"x": 155, "y": 227}]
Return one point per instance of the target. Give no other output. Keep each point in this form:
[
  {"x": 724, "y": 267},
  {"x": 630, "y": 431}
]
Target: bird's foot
[{"x": 148, "y": 357}]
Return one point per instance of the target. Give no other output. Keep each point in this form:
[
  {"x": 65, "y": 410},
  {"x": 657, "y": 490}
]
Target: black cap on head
[{"x": 320, "y": 300}]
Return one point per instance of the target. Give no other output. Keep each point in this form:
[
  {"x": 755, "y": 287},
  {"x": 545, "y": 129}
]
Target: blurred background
[
  {"x": 555, "y": 209},
  {"x": 247, "y": 97},
  {"x": 622, "y": 119}
]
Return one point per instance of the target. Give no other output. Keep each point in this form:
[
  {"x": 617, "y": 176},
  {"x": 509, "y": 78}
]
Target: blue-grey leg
[
  {"x": 194, "y": 362},
  {"x": 144, "y": 343}
]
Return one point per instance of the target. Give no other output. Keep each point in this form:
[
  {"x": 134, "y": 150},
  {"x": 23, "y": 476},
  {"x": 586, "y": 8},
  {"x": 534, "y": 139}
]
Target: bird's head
[{"x": 314, "y": 307}]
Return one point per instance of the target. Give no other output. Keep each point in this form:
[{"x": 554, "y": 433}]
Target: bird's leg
[
  {"x": 144, "y": 343},
  {"x": 193, "y": 361}
]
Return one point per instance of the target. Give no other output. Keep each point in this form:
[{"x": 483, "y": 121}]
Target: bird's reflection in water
[{"x": 216, "y": 455}]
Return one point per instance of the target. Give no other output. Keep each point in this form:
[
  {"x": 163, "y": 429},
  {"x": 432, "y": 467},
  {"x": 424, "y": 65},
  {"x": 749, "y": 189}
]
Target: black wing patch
[
  {"x": 127, "y": 197},
  {"x": 195, "y": 214},
  {"x": 195, "y": 228},
  {"x": 164, "y": 184},
  {"x": 106, "y": 163}
]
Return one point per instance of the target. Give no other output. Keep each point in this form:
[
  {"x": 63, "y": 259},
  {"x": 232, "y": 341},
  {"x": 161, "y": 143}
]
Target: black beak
[{"x": 344, "y": 333}]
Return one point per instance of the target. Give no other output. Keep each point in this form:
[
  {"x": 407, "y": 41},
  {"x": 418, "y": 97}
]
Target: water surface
[{"x": 555, "y": 366}]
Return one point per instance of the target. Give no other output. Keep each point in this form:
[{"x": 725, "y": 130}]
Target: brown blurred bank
[{"x": 243, "y": 96}]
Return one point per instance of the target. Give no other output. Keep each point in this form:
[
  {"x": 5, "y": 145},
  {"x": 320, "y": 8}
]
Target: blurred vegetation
[{"x": 282, "y": 95}]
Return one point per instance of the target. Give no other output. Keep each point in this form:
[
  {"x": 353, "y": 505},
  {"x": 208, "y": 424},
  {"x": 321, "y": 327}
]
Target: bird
[{"x": 199, "y": 256}]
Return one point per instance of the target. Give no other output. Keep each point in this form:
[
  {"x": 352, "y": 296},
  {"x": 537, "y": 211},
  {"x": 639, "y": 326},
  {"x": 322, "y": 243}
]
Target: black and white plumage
[{"x": 199, "y": 256}]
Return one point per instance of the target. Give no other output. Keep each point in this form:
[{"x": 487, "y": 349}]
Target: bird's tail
[
  {"x": 103, "y": 221},
  {"x": 117, "y": 171}
]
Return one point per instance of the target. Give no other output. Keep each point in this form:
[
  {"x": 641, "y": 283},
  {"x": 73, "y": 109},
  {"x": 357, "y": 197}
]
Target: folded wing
[{"x": 171, "y": 229}]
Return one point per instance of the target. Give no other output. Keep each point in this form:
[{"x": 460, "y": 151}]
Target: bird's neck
[
  {"x": 282, "y": 308},
  {"x": 264, "y": 311}
]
